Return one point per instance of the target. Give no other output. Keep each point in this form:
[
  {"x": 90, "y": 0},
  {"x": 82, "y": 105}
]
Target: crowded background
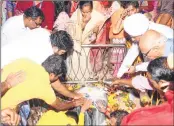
[{"x": 87, "y": 62}]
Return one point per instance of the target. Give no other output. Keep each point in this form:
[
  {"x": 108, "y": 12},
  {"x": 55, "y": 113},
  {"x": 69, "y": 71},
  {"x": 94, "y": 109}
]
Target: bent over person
[{"x": 38, "y": 83}]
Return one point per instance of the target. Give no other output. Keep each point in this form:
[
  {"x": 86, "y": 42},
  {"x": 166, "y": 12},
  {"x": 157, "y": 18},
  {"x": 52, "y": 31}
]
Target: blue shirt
[{"x": 168, "y": 47}]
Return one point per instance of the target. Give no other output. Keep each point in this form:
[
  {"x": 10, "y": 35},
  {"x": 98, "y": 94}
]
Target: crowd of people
[{"x": 42, "y": 48}]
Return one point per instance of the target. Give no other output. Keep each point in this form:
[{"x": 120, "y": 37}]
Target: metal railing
[
  {"x": 98, "y": 65},
  {"x": 95, "y": 62}
]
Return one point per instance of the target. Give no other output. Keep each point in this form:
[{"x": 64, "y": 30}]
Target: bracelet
[{"x": 106, "y": 112}]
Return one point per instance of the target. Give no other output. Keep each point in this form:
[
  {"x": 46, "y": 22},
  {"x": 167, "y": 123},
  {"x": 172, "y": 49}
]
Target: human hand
[
  {"x": 131, "y": 70},
  {"x": 78, "y": 102},
  {"x": 124, "y": 14},
  {"x": 116, "y": 81},
  {"x": 111, "y": 88},
  {"x": 10, "y": 117},
  {"x": 86, "y": 18},
  {"x": 86, "y": 105},
  {"x": 15, "y": 78},
  {"x": 100, "y": 106},
  {"x": 92, "y": 37}
]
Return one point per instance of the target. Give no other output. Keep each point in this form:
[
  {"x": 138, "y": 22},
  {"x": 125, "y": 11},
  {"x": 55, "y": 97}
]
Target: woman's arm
[
  {"x": 118, "y": 27},
  {"x": 115, "y": 23},
  {"x": 48, "y": 10}
]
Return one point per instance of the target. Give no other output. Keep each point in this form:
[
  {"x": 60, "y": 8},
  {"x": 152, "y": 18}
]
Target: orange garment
[
  {"x": 170, "y": 23},
  {"x": 114, "y": 19}
]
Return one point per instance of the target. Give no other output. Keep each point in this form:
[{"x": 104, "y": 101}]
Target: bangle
[
  {"x": 106, "y": 112},
  {"x": 108, "y": 108}
]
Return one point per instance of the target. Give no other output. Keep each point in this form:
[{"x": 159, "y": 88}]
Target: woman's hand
[
  {"x": 92, "y": 37},
  {"x": 101, "y": 107},
  {"x": 124, "y": 14},
  {"x": 131, "y": 70},
  {"x": 86, "y": 18}
]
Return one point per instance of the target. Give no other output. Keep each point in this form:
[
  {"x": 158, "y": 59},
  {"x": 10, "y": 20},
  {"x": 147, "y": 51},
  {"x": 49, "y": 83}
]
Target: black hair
[
  {"x": 55, "y": 64},
  {"x": 62, "y": 40},
  {"x": 73, "y": 115},
  {"x": 84, "y": 3},
  {"x": 61, "y": 6},
  {"x": 159, "y": 70},
  {"x": 119, "y": 114},
  {"x": 125, "y": 4},
  {"x": 34, "y": 12}
]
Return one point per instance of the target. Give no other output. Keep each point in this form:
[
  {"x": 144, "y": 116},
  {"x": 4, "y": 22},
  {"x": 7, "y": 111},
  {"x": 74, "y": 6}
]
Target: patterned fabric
[
  {"x": 24, "y": 113},
  {"x": 117, "y": 55},
  {"x": 10, "y": 5},
  {"x": 103, "y": 36}
]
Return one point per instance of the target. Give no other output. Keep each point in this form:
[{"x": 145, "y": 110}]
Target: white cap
[{"x": 136, "y": 24}]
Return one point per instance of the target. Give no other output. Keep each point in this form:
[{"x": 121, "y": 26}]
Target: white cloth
[
  {"x": 94, "y": 93},
  {"x": 163, "y": 29},
  {"x": 138, "y": 24},
  {"x": 12, "y": 29},
  {"x": 127, "y": 62},
  {"x": 142, "y": 66},
  {"x": 35, "y": 45},
  {"x": 141, "y": 83}
]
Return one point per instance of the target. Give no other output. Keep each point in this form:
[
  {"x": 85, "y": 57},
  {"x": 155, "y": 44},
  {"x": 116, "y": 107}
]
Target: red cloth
[
  {"x": 74, "y": 6},
  {"x": 105, "y": 3},
  {"x": 156, "y": 115},
  {"x": 96, "y": 58},
  {"x": 151, "y": 6},
  {"x": 47, "y": 8}
]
